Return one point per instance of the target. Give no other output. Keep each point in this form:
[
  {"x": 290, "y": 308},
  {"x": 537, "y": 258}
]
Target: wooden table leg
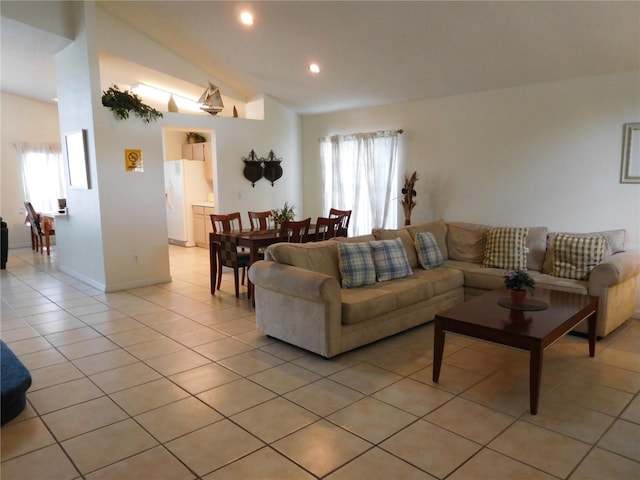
[
  {"x": 438, "y": 349},
  {"x": 535, "y": 377},
  {"x": 213, "y": 265},
  {"x": 592, "y": 333}
]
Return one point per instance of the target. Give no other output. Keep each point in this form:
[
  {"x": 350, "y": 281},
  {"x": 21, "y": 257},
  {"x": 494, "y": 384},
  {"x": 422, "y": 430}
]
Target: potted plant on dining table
[
  {"x": 286, "y": 213},
  {"x": 518, "y": 281}
]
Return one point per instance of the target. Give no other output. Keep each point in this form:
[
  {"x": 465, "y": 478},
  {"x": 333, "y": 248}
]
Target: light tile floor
[{"x": 170, "y": 382}]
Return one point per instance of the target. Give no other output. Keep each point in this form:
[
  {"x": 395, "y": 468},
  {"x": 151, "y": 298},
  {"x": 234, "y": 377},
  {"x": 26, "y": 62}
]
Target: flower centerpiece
[
  {"x": 285, "y": 213},
  {"x": 518, "y": 281}
]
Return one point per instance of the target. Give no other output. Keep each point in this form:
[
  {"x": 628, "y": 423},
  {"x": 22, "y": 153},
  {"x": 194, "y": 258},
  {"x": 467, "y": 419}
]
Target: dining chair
[
  {"x": 297, "y": 232},
  {"x": 224, "y": 223},
  {"x": 345, "y": 216},
  {"x": 37, "y": 232},
  {"x": 261, "y": 220},
  {"x": 327, "y": 228},
  {"x": 230, "y": 256}
]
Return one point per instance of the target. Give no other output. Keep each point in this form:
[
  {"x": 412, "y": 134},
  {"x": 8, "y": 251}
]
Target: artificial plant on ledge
[{"x": 124, "y": 102}]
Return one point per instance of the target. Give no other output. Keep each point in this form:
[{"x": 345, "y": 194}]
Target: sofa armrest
[
  {"x": 294, "y": 281},
  {"x": 614, "y": 269}
]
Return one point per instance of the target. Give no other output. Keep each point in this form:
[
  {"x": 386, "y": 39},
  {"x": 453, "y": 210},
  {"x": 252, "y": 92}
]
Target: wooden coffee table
[{"x": 534, "y": 331}]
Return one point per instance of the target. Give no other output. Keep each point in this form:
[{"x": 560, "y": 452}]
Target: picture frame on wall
[
  {"x": 630, "y": 167},
  {"x": 77, "y": 159}
]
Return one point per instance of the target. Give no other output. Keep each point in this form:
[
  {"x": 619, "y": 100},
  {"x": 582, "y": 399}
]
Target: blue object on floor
[{"x": 15, "y": 379}]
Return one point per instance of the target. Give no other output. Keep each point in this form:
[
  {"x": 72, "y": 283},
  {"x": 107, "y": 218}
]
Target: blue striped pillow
[
  {"x": 429, "y": 254},
  {"x": 390, "y": 259},
  {"x": 356, "y": 264}
]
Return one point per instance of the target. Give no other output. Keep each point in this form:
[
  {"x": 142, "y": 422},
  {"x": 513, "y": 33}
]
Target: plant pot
[{"x": 518, "y": 296}]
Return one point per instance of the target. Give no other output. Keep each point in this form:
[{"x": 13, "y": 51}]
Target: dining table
[{"x": 253, "y": 241}]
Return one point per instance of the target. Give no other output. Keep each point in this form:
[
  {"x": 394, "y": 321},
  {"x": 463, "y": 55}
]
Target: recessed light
[
  {"x": 246, "y": 18},
  {"x": 313, "y": 68}
]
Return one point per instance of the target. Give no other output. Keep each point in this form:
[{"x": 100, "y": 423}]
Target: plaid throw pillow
[
  {"x": 390, "y": 259},
  {"x": 429, "y": 254},
  {"x": 356, "y": 264},
  {"x": 506, "y": 248},
  {"x": 575, "y": 256}
]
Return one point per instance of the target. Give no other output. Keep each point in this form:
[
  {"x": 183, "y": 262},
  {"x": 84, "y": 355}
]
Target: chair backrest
[
  {"x": 327, "y": 228},
  {"x": 297, "y": 232},
  {"x": 34, "y": 218},
  {"x": 261, "y": 220},
  {"x": 345, "y": 216},
  {"x": 230, "y": 222}
]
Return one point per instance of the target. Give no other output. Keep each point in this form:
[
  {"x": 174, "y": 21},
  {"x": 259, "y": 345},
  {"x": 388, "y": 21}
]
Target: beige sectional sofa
[{"x": 300, "y": 299}]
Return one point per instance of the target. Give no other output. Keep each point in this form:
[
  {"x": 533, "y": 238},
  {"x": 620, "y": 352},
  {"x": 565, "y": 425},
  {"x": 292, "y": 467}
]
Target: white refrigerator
[{"x": 185, "y": 184}]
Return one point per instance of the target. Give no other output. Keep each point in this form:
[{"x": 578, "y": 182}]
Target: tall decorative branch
[{"x": 408, "y": 193}]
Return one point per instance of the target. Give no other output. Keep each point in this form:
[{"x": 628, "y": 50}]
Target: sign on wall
[{"x": 133, "y": 160}]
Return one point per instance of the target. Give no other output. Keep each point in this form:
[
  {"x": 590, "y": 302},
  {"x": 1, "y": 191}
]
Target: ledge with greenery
[{"x": 124, "y": 102}]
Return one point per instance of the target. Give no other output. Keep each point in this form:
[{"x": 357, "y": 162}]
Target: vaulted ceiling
[{"x": 370, "y": 52}]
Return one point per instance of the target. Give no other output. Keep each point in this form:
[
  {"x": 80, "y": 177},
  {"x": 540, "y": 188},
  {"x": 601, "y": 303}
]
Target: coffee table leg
[
  {"x": 438, "y": 349},
  {"x": 535, "y": 376},
  {"x": 592, "y": 333}
]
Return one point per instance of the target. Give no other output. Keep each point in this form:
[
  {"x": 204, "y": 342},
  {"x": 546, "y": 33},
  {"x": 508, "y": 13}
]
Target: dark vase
[
  {"x": 252, "y": 171},
  {"x": 272, "y": 170}
]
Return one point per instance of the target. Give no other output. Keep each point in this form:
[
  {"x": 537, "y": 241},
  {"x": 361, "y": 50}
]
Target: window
[
  {"x": 42, "y": 175},
  {"x": 360, "y": 174}
]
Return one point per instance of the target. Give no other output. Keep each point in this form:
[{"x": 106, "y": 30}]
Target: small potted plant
[
  {"x": 285, "y": 213},
  {"x": 518, "y": 281}
]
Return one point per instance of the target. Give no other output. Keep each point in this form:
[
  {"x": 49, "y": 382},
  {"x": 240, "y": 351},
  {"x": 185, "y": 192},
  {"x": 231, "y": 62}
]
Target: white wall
[
  {"x": 546, "y": 154},
  {"x": 234, "y": 138},
  {"x": 541, "y": 155},
  {"x": 23, "y": 120}
]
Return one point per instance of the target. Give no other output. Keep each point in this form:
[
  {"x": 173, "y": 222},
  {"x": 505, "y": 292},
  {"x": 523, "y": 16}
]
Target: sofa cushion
[
  {"x": 390, "y": 259},
  {"x": 408, "y": 291},
  {"x": 537, "y": 245},
  {"x": 478, "y": 277},
  {"x": 466, "y": 241},
  {"x": 616, "y": 242},
  {"x": 576, "y": 255},
  {"x": 320, "y": 257},
  {"x": 359, "y": 304},
  {"x": 439, "y": 230},
  {"x": 429, "y": 254},
  {"x": 356, "y": 264},
  {"x": 506, "y": 248},
  {"x": 561, "y": 284},
  {"x": 441, "y": 279},
  {"x": 407, "y": 240}
]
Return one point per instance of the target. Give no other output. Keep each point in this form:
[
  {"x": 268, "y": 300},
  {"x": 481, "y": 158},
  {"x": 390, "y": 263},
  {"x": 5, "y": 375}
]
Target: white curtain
[
  {"x": 360, "y": 174},
  {"x": 42, "y": 174}
]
